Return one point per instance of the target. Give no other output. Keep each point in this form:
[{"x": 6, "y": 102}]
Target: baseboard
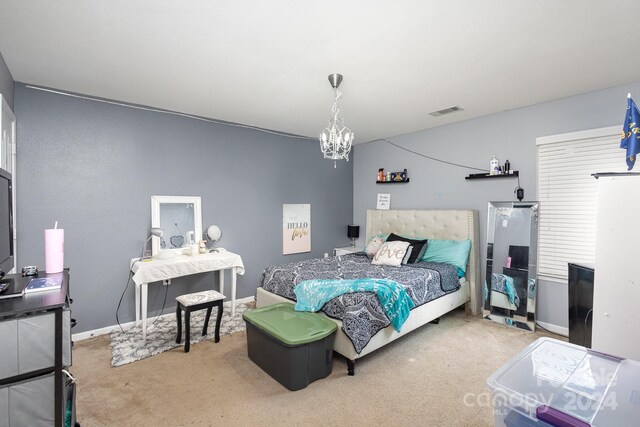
[
  {"x": 560, "y": 330},
  {"x": 80, "y": 336}
]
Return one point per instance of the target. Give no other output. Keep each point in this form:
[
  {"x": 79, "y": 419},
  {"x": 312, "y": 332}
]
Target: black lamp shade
[{"x": 353, "y": 231}]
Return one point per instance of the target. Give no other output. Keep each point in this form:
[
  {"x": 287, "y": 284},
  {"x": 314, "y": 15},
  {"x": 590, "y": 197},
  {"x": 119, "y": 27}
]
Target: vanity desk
[{"x": 156, "y": 270}]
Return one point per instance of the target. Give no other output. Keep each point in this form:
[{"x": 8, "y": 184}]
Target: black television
[
  {"x": 519, "y": 257},
  {"x": 6, "y": 224}
]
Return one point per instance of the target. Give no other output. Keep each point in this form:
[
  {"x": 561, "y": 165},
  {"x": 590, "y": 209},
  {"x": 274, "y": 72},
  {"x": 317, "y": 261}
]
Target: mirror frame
[
  {"x": 532, "y": 268},
  {"x": 156, "y": 201}
]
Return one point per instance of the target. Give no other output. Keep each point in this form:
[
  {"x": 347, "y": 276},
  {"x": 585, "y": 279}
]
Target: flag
[{"x": 631, "y": 132}]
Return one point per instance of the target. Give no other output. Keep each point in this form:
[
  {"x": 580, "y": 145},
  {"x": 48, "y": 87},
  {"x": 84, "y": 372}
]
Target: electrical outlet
[
  {"x": 326, "y": 255},
  {"x": 166, "y": 282}
]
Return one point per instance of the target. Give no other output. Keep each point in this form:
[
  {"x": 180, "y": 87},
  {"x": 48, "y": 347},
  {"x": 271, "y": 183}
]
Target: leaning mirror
[
  {"x": 180, "y": 217},
  {"x": 510, "y": 280}
]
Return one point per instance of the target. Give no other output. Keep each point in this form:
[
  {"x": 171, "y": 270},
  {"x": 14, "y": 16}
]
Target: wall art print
[{"x": 296, "y": 229}]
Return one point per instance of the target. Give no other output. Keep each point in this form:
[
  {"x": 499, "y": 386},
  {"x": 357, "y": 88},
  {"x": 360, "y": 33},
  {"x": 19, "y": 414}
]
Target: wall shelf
[
  {"x": 393, "y": 182},
  {"x": 487, "y": 176}
]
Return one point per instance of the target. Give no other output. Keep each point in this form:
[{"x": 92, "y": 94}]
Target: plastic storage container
[
  {"x": 554, "y": 383},
  {"x": 295, "y": 348}
]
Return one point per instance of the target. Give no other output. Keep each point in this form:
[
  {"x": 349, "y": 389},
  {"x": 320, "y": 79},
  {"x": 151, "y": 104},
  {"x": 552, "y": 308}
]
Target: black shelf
[
  {"x": 394, "y": 182},
  {"x": 487, "y": 176}
]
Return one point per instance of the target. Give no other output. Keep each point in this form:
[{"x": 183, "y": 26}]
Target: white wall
[{"x": 509, "y": 135}]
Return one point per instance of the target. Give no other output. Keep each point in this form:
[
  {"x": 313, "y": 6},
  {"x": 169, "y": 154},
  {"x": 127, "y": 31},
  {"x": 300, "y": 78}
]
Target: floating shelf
[
  {"x": 487, "y": 176},
  {"x": 393, "y": 182}
]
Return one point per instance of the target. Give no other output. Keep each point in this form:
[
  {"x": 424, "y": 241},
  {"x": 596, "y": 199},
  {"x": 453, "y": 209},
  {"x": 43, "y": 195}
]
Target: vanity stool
[{"x": 194, "y": 302}]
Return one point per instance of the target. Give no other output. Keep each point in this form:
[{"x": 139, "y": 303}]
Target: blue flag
[{"x": 631, "y": 132}]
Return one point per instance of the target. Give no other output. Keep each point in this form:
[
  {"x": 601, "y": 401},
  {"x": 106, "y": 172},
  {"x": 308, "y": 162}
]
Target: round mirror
[{"x": 214, "y": 233}]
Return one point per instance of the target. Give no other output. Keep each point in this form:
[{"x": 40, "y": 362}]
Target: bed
[
  {"x": 503, "y": 293},
  {"x": 435, "y": 224}
]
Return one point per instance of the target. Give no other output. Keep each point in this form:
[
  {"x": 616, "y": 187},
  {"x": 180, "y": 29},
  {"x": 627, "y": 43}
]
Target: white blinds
[{"x": 568, "y": 195}]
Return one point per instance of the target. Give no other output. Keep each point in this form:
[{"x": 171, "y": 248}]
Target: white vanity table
[{"x": 157, "y": 270}]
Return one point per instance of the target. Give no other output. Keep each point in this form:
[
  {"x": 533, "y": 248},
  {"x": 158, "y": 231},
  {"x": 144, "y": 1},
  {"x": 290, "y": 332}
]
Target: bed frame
[{"x": 436, "y": 224}]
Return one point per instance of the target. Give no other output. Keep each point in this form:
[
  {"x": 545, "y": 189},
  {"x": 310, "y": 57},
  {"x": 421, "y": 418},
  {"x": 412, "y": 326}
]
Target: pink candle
[{"x": 54, "y": 250}]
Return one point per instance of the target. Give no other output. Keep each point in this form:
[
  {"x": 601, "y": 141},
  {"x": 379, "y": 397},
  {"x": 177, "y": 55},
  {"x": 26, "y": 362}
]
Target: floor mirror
[{"x": 510, "y": 280}]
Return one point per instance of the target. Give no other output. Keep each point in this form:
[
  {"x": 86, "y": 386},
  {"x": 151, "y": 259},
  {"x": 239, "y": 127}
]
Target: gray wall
[
  {"x": 94, "y": 166},
  {"x": 6, "y": 82},
  {"x": 509, "y": 135}
]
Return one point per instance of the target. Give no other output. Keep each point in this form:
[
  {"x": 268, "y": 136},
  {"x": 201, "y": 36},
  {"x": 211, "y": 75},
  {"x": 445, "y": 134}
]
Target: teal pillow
[{"x": 455, "y": 252}]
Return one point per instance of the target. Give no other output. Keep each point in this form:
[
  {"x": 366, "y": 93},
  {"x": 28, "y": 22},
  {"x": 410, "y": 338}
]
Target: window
[{"x": 568, "y": 195}]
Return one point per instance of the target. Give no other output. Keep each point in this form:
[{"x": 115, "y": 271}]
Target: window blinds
[{"x": 568, "y": 195}]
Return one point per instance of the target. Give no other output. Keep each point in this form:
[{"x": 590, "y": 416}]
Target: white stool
[{"x": 194, "y": 302}]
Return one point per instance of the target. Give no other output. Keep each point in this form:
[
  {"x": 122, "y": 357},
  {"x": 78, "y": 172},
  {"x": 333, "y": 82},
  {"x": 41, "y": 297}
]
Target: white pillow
[
  {"x": 374, "y": 245},
  {"x": 391, "y": 253}
]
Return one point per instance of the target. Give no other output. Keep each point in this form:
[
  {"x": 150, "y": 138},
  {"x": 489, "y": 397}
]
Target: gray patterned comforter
[{"x": 361, "y": 314}]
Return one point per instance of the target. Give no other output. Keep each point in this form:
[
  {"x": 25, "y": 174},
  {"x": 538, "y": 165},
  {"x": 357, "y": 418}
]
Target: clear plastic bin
[{"x": 554, "y": 383}]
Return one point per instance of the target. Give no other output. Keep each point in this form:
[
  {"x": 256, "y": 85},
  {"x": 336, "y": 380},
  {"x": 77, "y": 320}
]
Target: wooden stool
[{"x": 194, "y": 302}]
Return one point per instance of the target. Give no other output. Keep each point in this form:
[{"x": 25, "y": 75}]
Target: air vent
[{"x": 444, "y": 111}]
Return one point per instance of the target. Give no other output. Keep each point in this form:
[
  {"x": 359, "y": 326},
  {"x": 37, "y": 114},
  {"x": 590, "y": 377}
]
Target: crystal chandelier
[{"x": 336, "y": 139}]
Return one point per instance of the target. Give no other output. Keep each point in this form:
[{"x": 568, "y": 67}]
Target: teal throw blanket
[{"x": 312, "y": 295}]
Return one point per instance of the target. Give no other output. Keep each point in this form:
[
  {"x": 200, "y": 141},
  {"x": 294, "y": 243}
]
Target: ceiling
[{"x": 265, "y": 63}]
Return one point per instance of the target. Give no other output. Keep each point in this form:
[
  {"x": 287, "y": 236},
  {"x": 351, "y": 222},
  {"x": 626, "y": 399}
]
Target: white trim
[
  {"x": 81, "y": 336},
  {"x": 560, "y": 330},
  {"x": 579, "y": 135}
]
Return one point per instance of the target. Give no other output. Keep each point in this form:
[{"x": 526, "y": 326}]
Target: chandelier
[{"x": 336, "y": 139}]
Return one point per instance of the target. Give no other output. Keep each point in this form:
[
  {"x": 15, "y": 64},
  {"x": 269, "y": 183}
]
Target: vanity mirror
[
  {"x": 180, "y": 217},
  {"x": 510, "y": 280}
]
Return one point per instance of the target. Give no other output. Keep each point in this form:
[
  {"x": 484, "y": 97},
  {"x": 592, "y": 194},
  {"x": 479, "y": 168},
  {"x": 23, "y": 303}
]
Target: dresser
[
  {"x": 616, "y": 290},
  {"x": 580, "y": 303},
  {"x": 35, "y": 331}
]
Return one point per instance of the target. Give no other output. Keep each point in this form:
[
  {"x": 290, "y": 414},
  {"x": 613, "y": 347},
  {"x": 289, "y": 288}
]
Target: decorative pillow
[
  {"x": 455, "y": 252},
  {"x": 391, "y": 253},
  {"x": 418, "y": 246},
  {"x": 407, "y": 255},
  {"x": 374, "y": 245}
]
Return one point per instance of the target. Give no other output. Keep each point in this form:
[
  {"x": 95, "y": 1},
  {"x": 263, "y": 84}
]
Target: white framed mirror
[{"x": 180, "y": 218}]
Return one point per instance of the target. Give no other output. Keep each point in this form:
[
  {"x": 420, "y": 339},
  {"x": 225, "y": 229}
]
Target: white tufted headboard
[{"x": 435, "y": 224}]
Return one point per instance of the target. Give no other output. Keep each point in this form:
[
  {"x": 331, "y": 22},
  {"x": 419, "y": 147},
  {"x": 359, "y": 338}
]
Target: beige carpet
[{"x": 421, "y": 379}]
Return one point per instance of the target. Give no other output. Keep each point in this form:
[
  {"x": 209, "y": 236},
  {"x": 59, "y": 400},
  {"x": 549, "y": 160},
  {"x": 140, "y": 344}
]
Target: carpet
[
  {"x": 434, "y": 376},
  {"x": 128, "y": 346}
]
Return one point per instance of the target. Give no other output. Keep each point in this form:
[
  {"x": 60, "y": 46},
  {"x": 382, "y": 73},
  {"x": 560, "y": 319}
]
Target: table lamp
[
  {"x": 155, "y": 231},
  {"x": 353, "y": 232}
]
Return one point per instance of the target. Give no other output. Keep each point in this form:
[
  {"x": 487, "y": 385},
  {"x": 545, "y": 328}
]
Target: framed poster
[
  {"x": 296, "y": 229},
  {"x": 384, "y": 201}
]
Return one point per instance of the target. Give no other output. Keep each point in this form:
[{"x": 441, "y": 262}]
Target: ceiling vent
[{"x": 444, "y": 111}]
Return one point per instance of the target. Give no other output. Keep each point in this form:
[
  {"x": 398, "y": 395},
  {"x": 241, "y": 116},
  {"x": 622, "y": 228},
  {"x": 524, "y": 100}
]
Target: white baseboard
[
  {"x": 107, "y": 330},
  {"x": 560, "y": 330}
]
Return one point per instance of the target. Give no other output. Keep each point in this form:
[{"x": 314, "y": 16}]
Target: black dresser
[
  {"x": 35, "y": 331},
  {"x": 580, "y": 303}
]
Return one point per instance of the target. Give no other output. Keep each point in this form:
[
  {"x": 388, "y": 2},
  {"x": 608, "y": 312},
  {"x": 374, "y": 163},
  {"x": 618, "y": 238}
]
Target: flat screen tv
[
  {"x": 519, "y": 257},
  {"x": 6, "y": 223}
]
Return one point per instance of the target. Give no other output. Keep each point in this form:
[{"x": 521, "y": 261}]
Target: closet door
[{"x": 616, "y": 293}]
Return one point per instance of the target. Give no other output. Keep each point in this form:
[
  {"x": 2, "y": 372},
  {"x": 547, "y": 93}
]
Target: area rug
[{"x": 128, "y": 346}]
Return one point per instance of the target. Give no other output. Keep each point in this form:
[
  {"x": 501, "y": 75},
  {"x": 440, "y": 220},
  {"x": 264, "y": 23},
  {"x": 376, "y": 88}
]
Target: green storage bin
[{"x": 294, "y": 347}]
